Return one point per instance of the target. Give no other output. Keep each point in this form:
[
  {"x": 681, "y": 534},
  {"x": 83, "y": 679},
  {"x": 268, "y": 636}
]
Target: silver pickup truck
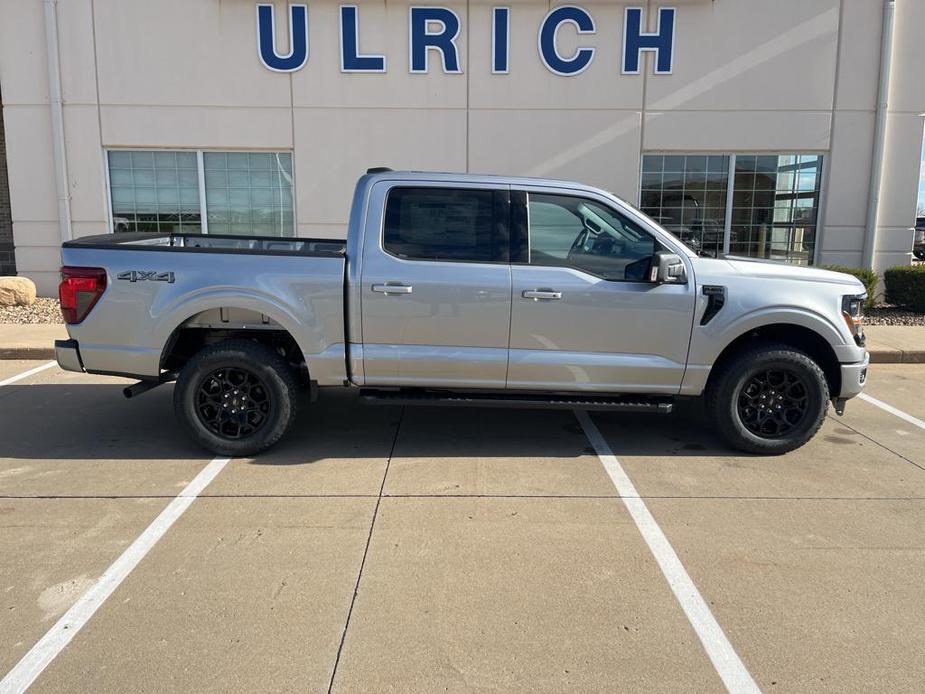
[{"x": 464, "y": 289}]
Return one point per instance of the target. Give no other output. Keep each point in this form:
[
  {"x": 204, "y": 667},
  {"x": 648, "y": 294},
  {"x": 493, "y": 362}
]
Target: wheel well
[
  {"x": 211, "y": 327},
  {"x": 796, "y": 336}
]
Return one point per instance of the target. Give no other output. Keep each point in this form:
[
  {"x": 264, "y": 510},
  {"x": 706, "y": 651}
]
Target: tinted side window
[
  {"x": 577, "y": 232},
  {"x": 446, "y": 224}
]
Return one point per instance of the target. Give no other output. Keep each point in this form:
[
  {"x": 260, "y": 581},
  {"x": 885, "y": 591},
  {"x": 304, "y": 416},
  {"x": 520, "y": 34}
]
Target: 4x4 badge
[{"x": 145, "y": 276}]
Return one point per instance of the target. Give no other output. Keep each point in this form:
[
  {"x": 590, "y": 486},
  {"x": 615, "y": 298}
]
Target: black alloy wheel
[
  {"x": 236, "y": 398},
  {"x": 769, "y": 398},
  {"x": 233, "y": 403},
  {"x": 773, "y": 403}
]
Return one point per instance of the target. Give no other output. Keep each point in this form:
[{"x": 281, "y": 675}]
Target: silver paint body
[{"x": 458, "y": 325}]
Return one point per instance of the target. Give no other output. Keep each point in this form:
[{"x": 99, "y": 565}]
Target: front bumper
[
  {"x": 853, "y": 378},
  {"x": 67, "y": 353}
]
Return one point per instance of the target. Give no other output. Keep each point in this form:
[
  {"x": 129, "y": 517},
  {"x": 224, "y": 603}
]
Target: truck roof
[{"x": 385, "y": 174}]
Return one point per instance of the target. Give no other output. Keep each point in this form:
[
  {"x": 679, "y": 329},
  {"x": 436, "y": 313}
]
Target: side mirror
[{"x": 668, "y": 268}]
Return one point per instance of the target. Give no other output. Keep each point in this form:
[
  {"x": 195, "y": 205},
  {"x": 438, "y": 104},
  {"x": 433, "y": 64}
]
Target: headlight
[{"x": 852, "y": 309}]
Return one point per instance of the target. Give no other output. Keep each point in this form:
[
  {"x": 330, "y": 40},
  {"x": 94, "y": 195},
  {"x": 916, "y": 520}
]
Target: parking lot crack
[
  {"x": 369, "y": 537},
  {"x": 878, "y": 443}
]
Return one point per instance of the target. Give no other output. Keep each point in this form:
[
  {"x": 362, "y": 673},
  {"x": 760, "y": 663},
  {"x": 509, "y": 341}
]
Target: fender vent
[{"x": 716, "y": 299}]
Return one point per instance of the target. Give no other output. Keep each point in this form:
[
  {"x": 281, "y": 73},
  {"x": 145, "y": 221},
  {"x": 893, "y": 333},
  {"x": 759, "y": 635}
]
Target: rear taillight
[{"x": 80, "y": 289}]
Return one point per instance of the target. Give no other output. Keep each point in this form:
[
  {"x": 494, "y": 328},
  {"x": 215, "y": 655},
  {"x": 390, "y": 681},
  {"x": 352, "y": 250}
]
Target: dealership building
[{"x": 781, "y": 129}]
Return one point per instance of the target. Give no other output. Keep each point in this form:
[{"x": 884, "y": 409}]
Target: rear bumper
[
  {"x": 67, "y": 353},
  {"x": 853, "y": 378}
]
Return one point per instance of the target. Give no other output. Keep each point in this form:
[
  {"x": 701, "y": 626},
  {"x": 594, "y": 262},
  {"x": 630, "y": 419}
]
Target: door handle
[
  {"x": 389, "y": 288},
  {"x": 538, "y": 294}
]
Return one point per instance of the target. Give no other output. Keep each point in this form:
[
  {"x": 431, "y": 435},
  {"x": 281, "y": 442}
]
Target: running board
[{"x": 624, "y": 403}]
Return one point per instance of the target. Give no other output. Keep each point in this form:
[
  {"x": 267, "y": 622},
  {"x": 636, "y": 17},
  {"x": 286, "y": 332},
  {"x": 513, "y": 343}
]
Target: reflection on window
[
  {"x": 687, "y": 196},
  {"x": 775, "y": 200},
  {"x": 774, "y": 205},
  {"x": 249, "y": 193},
  {"x": 568, "y": 231},
  {"x": 246, "y": 193},
  {"x": 154, "y": 191}
]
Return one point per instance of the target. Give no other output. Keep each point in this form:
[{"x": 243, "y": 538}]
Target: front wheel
[
  {"x": 236, "y": 398},
  {"x": 770, "y": 399}
]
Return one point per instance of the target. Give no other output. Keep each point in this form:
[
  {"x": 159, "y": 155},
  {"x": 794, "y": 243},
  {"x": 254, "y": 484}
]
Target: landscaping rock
[{"x": 17, "y": 291}]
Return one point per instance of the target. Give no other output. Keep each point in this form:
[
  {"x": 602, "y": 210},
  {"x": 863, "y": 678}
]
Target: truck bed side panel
[{"x": 129, "y": 328}]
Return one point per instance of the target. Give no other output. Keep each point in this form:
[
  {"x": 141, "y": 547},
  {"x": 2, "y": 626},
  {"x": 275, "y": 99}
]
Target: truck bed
[
  {"x": 158, "y": 284},
  {"x": 212, "y": 243}
]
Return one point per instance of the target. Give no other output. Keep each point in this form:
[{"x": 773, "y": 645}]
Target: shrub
[
  {"x": 905, "y": 286},
  {"x": 868, "y": 277}
]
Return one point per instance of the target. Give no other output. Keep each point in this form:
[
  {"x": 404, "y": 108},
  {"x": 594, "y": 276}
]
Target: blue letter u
[{"x": 298, "y": 39}]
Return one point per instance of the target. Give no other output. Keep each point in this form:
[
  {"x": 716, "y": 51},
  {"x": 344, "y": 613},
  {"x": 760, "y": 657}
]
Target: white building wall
[
  {"x": 902, "y": 157},
  {"x": 749, "y": 76}
]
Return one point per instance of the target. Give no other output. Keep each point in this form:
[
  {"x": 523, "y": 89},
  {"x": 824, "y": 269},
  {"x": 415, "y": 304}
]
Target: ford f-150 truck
[{"x": 464, "y": 289}]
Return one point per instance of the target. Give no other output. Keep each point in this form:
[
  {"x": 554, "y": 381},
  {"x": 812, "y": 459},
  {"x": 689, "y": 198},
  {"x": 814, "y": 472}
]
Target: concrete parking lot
[{"x": 420, "y": 550}]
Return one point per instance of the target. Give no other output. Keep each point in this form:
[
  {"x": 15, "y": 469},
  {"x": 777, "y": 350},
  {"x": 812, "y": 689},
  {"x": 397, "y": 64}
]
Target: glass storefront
[
  {"x": 770, "y": 211},
  {"x": 687, "y": 194}
]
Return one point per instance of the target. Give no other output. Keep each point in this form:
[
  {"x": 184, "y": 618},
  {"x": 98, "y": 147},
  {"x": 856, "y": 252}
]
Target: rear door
[
  {"x": 585, "y": 315},
  {"x": 436, "y": 286}
]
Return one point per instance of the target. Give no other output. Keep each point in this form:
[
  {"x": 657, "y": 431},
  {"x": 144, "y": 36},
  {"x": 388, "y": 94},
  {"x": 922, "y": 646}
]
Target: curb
[
  {"x": 27, "y": 352},
  {"x": 895, "y": 356}
]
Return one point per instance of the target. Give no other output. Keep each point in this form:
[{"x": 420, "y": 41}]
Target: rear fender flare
[{"x": 176, "y": 315}]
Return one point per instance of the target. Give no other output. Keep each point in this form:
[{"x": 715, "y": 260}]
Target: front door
[
  {"x": 585, "y": 315},
  {"x": 436, "y": 289}
]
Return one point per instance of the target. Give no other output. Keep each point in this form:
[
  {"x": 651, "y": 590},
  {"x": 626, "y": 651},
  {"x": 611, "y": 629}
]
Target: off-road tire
[
  {"x": 271, "y": 371},
  {"x": 726, "y": 386}
]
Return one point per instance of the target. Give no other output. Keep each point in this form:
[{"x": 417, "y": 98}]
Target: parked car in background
[
  {"x": 918, "y": 246},
  {"x": 461, "y": 289}
]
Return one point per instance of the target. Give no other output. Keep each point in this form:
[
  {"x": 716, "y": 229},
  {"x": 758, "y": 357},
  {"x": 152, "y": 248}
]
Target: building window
[
  {"x": 687, "y": 195},
  {"x": 770, "y": 211},
  {"x": 244, "y": 193}
]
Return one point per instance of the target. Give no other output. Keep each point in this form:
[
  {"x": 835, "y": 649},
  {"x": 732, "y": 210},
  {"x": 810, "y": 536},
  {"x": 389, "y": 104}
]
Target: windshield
[{"x": 682, "y": 242}]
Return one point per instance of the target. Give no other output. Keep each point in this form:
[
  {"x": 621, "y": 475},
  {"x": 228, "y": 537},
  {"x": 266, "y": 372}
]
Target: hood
[{"x": 769, "y": 269}]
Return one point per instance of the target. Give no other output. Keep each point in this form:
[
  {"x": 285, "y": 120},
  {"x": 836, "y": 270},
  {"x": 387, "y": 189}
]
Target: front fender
[
  {"x": 708, "y": 342},
  {"x": 725, "y": 333}
]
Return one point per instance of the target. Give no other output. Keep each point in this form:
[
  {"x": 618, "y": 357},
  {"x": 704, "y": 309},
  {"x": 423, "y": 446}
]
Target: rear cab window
[{"x": 447, "y": 224}]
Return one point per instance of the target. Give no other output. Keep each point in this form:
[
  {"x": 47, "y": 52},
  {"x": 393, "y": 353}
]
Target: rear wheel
[
  {"x": 236, "y": 398},
  {"x": 770, "y": 399}
]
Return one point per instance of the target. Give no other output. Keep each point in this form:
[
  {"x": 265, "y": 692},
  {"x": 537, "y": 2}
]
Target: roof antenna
[{"x": 378, "y": 169}]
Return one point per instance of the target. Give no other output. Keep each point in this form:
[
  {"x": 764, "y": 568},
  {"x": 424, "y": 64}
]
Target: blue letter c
[{"x": 584, "y": 24}]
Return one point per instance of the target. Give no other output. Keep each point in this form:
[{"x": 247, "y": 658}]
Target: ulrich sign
[{"x": 434, "y": 29}]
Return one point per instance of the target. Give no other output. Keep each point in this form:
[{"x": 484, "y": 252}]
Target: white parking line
[
  {"x": 892, "y": 410},
  {"x": 725, "y": 660},
  {"x": 25, "y": 374},
  {"x": 55, "y": 639}
]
